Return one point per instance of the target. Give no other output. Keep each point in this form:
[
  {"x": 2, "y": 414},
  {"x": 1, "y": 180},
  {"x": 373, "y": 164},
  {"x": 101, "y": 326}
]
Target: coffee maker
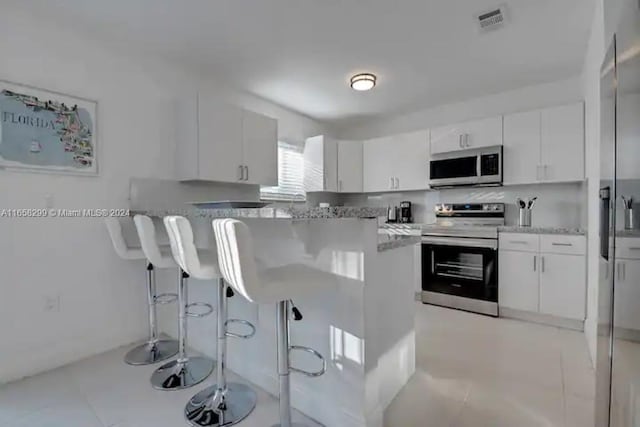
[{"x": 405, "y": 212}]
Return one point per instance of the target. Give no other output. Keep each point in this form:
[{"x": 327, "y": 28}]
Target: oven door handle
[{"x": 466, "y": 242}]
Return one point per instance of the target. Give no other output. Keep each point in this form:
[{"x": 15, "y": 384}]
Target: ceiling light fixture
[{"x": 364, "y": 81}]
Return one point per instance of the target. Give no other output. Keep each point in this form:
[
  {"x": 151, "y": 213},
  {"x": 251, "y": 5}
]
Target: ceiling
[{"x": 301, "y": 53}]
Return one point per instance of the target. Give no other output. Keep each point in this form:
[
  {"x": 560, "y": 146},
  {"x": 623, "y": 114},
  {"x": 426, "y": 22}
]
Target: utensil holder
[
  {"x": 629, "y": 220},
  {"x": 524, "y": 219}
]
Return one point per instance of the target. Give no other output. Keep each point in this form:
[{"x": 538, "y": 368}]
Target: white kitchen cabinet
[
  {"x": 562, "y": 143},
  {"x": 410, "y": 165},
  {"x": 627, "y": 284},
  {"x": 518, "y": 280},
  {"x": 350, "y": 166},
  {"x": 468, "y": 135},
  {"x": 397, "y": 163},
  {"x": 377, "y": 167},
  {"x": 521, "y": 152},
  {"x": 543, "y": 274},
  {"x": 260, "y": 149},
  {"x": 222, "y": 142},
  {"x": 321, "y": 164},
  {"x": 563, "y": 285},
  {"x": 544, "y": 145}
]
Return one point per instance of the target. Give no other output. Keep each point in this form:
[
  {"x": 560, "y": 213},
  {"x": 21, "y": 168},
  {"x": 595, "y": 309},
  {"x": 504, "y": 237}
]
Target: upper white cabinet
[
  {"x": 350, "y": 166},
  {"x": 260, "y": 148},
  {"x": 562, "y": 147},
  {"x": 468, "y": 135},
  {"x": 544, "y": 145},
  {"x": 221, "y": 142},
  {"x": 321, "y": 164},
  {"x": 396, "y": 163}
]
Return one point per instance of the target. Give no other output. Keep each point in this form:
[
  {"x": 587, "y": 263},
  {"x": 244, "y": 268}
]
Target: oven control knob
[{"x": 496, "y": 207}]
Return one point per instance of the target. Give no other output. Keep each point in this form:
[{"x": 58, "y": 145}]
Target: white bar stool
[
  {"x": 222, "y": 404},
  {"x": 185, "y": 371},
  {"x": 275, "y": 286},
  {"x": 154, "y": 350}
]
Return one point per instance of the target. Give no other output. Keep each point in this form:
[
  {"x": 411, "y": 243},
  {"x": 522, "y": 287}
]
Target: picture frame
[{"x": 44, "y": 131}]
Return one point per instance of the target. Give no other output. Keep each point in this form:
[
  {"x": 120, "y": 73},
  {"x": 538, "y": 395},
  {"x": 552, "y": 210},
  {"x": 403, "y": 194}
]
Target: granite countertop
[
  {"x": 628, "y": 233},
  {"x": 388, "y": 241},
  {"x": 543, "y": 230},
  {"x": 402, "y": 228},
  {"x": 334, "y": 212}
]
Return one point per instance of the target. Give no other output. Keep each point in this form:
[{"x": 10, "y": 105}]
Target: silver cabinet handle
[
  {"x": 246, "y": 173},
  {"x": 518, "y": 242},
  {"x": 619, "y": 271},
  {"x": 624, "y": 271},
  {"x": 466, "y": 140},
  {"x": 534, "y": 262},
  {"x": 460, "y": 140},
  {"x": 391, "y": 186},
  {"x": 397, "y": 183},
  {"x": 544, "y": 168},
  {"x": 561, "y": 244},
  {"x": 542, "y": 264},
  {"x": 240, "y": 173},
  {"x": 634, "y": 249},
  {"x": 339, "y": 185}
]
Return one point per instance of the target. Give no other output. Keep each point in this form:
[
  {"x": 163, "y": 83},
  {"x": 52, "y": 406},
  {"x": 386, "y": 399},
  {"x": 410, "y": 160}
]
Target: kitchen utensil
[
  {"x": 532, "y": 202},
  {"x": 628, "y": 203},
  {"x": 524, "y": 219},
  {"x": 521, "y": 203}
]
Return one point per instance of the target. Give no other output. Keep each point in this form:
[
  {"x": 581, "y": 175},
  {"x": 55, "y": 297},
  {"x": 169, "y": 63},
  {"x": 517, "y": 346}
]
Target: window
[{"x": 290, "y": 175}]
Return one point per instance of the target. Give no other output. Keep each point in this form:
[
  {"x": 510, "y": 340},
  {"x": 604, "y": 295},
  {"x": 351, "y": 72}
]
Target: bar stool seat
[
  {"x": 277, "y": 285},
  {"x": 155, "y": 349}
]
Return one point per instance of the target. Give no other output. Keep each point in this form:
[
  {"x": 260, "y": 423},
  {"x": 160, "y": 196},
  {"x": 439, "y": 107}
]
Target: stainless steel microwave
[{"x": 482, "y": 166}]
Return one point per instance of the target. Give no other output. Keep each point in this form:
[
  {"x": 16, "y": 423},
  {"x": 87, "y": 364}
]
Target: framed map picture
[{"x": 46, "y": 131}]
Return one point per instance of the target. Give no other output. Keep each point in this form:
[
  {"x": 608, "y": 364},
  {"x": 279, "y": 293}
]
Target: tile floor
[
  {"x": 471, "y": 371},
  {"x": 485, "y": 372}
]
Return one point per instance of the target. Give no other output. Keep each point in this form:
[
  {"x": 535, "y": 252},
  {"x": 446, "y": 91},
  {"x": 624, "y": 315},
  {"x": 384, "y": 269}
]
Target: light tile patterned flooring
[{"x": 471, "y": 371}]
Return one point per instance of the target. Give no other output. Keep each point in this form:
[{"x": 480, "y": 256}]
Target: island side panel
[{"x": 389, "y": 326}]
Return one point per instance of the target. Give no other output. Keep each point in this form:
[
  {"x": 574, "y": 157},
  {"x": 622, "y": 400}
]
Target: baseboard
[{"x": 543, "y": 319}]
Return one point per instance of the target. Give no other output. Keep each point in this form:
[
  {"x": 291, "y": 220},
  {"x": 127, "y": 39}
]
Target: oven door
[{"x": 461, "y": 273}]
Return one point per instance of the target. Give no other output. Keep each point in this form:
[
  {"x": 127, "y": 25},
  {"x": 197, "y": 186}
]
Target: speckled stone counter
[
  {"x": 388, "y": 241},
  {"x": 543, "y": 230},
  {"x": 336, "y": 212},
  {"x": 628, "y": 233}
]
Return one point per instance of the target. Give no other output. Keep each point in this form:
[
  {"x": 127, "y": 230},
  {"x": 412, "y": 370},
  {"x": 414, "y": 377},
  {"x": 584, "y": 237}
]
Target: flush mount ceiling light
[{"x": 364, "y": 81}]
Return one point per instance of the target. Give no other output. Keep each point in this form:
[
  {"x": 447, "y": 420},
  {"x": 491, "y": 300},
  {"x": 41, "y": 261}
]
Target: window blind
[{"x": 290, "y": 175}]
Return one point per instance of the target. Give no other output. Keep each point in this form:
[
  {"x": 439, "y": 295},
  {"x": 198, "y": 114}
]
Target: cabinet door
[
  {"x": 350, "y": 166},
  {"x": 410, "y": 166},
  {"x": 518, "y": 280},
  {"x": 376, "y": 166},
  {"x": 330, "y": 165},
  {"x": 563, "y": 285},
  {"x": 260, "y": 148},
  {"x": 320, "y": 164},
  {"x": 562, "y": 143},
  {"x": 482, "y": 133},
  {"x": 445, "y": 139},
  {"x": 521, "y": 148},
  {"x": 627, "y": 294},
  {"x": 627, "y": 136},
  {"x": 219, "y": 140}
]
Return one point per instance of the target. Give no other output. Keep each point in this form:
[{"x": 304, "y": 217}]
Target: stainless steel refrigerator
[{"x": 618, "y": 345}]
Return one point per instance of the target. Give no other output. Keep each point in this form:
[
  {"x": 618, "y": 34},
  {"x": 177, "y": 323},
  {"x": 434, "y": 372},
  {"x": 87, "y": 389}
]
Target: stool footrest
[
  {"x": 313, "y": 352},
  {"x": 243, "y": 322},
  {"x": 208, "y": 311},
  {"x": 166, "y": 298}
]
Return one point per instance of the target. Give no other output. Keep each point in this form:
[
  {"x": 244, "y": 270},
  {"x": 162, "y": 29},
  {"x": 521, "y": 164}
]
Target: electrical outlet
[{"x": 52, "y": 303}]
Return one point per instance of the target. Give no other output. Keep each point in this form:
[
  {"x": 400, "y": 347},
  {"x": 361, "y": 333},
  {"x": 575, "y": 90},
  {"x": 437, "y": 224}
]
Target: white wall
[
  {"x": 527, "y": 98},
  {"x": 591, "y": 87},
  {"x": 102, "y": 297}
]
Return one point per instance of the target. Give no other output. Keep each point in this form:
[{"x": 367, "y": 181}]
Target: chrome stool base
[
  {"x": 150, "y": 353},
  {"x": 239, "y": 400},
  {"x": 177, "y": 375}
]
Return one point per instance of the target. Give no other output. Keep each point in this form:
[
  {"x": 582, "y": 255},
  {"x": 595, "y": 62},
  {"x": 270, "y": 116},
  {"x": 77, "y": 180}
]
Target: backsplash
[{"x": 558, "y": 205}]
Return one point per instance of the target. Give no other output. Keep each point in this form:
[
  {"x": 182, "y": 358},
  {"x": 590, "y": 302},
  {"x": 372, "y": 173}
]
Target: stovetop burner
[{"x": 476, "y": 220}]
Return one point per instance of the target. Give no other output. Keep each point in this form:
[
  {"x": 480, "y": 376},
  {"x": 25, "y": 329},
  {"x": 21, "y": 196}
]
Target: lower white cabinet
[
  {"x": 547, "y": 275},
  {"x": 627, "y": 284},
  {"x": 518, "y": 280},
  {"x": 563, "y": 285}
]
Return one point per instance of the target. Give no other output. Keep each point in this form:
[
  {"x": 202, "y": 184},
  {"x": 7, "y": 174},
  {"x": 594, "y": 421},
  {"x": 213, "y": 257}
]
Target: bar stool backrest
[
  {"x": 114, "y": 227},
  {"x": 147, "y": 233},
  {"x": 236, "y": 258},
  {"x": 183, "y": 247}
]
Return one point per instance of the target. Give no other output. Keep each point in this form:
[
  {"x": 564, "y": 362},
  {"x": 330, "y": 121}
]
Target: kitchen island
[{"x": 362, "y": 322}]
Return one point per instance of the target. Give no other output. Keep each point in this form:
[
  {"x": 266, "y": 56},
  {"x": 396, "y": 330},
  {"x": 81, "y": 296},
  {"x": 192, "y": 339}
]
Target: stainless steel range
[{"x": 460, "y": 257}]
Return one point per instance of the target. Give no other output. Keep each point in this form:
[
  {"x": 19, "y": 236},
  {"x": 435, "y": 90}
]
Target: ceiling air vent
[{"x": 492, "y": 19}]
